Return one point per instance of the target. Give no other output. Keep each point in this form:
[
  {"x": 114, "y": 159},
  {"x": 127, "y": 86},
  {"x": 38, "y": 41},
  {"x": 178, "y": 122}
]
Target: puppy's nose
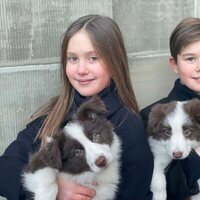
[
  {"x": 101, "y": 161},
  {"x": 177, "y": 154}
]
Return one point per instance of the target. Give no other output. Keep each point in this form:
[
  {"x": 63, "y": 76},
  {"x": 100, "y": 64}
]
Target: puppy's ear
[
  {"x": 91, "y": 110},
  {"x": 155, "y": 116},
  {"x": 51, "y": 154},
  {"x": 193, "y": 109}
]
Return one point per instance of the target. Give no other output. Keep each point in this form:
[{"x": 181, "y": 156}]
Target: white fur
[
  {"x": 106, "y": 179},
  {"x": 163, "y": 151},
  {"x": 43, "y": 182}
]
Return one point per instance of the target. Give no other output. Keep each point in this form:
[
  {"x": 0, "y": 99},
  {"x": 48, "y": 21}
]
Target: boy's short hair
[{"x": 185, "y": 33}]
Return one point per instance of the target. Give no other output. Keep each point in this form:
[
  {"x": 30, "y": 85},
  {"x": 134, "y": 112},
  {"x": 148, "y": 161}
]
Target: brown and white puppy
[
  {"x": 86, "y": 151},
  {"x": 173, "y": 130}
]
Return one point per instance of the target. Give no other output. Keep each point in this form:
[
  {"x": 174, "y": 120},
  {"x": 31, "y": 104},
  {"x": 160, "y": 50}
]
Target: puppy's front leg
[
  {"x": 48, "y": 193},
  {"x": 158, "y": 183},
  {"x": 42, "y": 183}
]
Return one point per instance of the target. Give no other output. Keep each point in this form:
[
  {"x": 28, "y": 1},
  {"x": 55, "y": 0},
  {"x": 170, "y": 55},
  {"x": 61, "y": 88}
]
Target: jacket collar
[
  {"x": 109, "y": 96},
  {"x": 182, "y": 93}
]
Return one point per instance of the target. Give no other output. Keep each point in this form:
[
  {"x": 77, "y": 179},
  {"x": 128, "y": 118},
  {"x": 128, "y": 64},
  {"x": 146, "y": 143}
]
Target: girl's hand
[
  {"x": 68, "y": 190},
  {"x": 197, "y": 149}
]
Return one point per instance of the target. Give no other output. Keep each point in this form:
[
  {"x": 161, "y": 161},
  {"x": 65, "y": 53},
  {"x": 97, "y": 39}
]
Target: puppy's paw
[{"x": 159, "y": 195}]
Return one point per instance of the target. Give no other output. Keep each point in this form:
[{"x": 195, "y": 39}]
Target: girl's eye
[
  {"x": 78, "y": 152},
  {"x": 72, "y": 59},
  {"x": 93, "y": 59},
  {"x": 95, "y": 137}
]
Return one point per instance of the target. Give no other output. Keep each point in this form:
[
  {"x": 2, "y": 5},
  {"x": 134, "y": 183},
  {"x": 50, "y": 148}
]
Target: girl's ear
[{"x": 173, "y": 64}]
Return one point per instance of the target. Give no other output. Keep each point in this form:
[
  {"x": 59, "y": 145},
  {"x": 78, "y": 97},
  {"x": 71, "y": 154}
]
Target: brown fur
[
  {"x": 159, "y": 112},
  {"x": 157, "y": 115}
]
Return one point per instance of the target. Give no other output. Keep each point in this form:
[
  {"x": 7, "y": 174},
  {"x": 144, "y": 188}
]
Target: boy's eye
[{"x": 190, "y": 59}]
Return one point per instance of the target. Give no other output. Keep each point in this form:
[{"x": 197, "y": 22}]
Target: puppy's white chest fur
[{"x": 173, "y": 129}]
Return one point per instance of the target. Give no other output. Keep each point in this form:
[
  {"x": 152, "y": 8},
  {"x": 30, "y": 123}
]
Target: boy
[{"x": 182, "y": 175}]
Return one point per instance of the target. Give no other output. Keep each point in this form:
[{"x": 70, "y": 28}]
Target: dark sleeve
[
  {"x": 13, "y": 161},
  {"x": 137, "y": 161},
  {"x": 182, "y": 177}
]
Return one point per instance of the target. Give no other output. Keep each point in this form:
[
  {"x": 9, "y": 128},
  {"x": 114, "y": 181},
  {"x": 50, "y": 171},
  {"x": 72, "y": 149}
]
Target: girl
[{"x": 94, "y": 61}]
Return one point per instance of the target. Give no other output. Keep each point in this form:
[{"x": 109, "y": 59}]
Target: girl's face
[
  {"x": 188, "y": 66},
  {"x": 85, "y": 70}
]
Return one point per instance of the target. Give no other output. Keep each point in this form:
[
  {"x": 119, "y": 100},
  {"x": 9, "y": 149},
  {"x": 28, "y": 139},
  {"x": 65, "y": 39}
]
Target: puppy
[
  {"x": 173, "y": 130},
  {"x": 86, "y": 151}
]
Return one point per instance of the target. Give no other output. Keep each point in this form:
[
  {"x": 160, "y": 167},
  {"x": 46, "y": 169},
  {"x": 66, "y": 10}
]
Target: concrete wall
[{"x": 30, "y": 38}]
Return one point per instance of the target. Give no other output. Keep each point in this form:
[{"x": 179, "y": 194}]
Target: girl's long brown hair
[{"x": 108, "y": 42}]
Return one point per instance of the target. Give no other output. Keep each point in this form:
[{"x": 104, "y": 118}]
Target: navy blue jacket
[
  {"x": 137, "y": 159},
  {"x": 181, "y": 175}
]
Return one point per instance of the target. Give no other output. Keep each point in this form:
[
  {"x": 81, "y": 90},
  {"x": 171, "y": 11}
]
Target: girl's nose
[
  {"x": 82, "y": 68},
  {"x": 198, "y": 65}
]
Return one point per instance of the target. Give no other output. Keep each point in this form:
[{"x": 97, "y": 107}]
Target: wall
[{"x": 30, "y": 37}]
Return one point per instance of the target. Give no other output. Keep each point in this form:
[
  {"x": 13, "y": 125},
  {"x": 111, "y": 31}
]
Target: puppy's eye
[
  {"x": 187, "y": 132},
  {"x": 78, "y": 152},
  {"x": 166, "y": 131},
  {"x": 95, "y": 137},
  {"x": 93, "y": 116}
]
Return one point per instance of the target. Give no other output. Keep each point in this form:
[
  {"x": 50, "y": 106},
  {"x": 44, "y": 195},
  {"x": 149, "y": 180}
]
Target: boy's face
[{"x": 188, "y": 66}]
